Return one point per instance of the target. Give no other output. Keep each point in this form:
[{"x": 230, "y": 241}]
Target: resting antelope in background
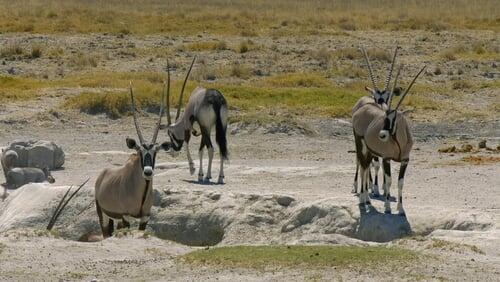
[
  {"x": 127, "y": 192},
  {"x": 380, "y": 98},
  {"x": 207, "y": 108},
  {"x": 385, "y": 134}
]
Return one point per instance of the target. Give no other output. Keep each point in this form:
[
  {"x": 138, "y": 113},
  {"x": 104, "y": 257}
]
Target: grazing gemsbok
[
  {"x": 380, "y": 98},
  {"x": 127, "y": 192},
  {"x": 207, "y": 108},
  {"x": 385, "y": 134}
]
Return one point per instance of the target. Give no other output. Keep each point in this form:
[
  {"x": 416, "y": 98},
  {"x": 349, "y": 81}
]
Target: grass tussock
[
  {"x": 262, "y": 257},
  {"x": 480, "y": 160},
  {"x": 245, "y": 18},
  {"x": 83, "y": 60},
  {"x": 479, "y": 51}
]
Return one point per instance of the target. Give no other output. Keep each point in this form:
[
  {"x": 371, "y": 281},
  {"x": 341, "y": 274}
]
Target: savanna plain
[{"x": 291, "y": 72}]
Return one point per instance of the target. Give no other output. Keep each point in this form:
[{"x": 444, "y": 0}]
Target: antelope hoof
[
  {"x": 200, "y": 177},
  {"x": 220, "y": 180},
  {"x": 207, "y": 179},
  {"x": 191, "y": 169},
  {"x": 403, "y": 214}
]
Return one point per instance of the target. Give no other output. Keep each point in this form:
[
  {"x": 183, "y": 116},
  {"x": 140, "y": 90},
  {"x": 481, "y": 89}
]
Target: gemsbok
[
  {"x": 385, "y": 134},
  {"x": 380, "y": 98},
  {"x": 126, "y": 192},
  {"x": 208, "y": 109}
]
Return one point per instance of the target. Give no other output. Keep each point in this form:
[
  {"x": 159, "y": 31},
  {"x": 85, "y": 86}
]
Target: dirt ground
[{"x": 264, "y": 160}]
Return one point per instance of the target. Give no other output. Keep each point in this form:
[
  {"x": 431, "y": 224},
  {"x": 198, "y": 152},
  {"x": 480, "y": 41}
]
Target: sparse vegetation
[
  {"x": 11, "y": 50},
  {"x": 191, "y": 17},
  {"x": 206, "y": 46},
  {"x": 452, "y": 246},
  {"x": 298, "y": 80},
  {"x": 262, "y": 257}
]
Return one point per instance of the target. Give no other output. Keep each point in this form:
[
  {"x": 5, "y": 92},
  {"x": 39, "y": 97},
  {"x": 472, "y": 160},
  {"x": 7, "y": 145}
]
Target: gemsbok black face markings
[
  {"x": 208, "y": 109},
  {"x": 378, "y": 97},
  {"x": 126, "y": 192},
  {"x": 386, "y": 134}
]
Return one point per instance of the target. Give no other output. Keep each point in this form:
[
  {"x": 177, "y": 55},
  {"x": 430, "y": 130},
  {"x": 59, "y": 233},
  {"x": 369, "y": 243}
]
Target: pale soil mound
[{"x": 200, "y": 218}]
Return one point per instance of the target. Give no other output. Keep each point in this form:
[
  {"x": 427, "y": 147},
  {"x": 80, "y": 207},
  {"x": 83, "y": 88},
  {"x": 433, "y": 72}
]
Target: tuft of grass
[
  {"x": 246, "y": 46},
  {"x": 36, "y": 51},
  {"x": 460, "y": 85},
  {"x": 241, "y": 71},
  {"x": 298, "y": 80},
  {"x": 82, "y": 60},
  {"x": 262, "y": 257}
]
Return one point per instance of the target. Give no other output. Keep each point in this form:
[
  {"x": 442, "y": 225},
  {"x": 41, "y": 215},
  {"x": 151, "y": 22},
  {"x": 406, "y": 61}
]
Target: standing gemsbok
[
  {"x": 379, "y": 98},
  {"x": 207, "y": 108},
  {"x": 127, "y": 192},
  {"x": 385, "y": 134}
]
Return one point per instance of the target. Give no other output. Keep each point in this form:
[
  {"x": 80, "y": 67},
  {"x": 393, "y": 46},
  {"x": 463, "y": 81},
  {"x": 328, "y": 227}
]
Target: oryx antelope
[
  {"x": 127, "y": 192},
  {"x": 208, "y": 109},
  {"x": 385, "y": 134},
  {"x": 18, "y": 176},
  {"x": 378, "y": 98}
]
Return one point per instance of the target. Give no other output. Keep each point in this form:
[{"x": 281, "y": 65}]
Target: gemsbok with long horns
[
  {"x": 126, "y": 192},
  {"x": 208, "y": 109},
  {"x": 380, "y": 98},
  {"x": 385, "y": 134}
]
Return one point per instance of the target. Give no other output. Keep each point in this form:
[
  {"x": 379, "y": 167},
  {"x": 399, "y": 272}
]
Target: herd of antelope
[{"x": 380, "y": 132}]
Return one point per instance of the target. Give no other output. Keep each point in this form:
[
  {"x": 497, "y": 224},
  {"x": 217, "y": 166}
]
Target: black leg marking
[
  {"x": 142, "y": 225},
  {"x": 111, "y": 227}
]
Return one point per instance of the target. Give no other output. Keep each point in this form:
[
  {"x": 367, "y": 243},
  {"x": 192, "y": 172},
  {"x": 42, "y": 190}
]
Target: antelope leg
[
  {"x": 210, "y": 158},
  {"x": 190, "y": 160},
  {"x": 200, "y": 171},
  {"x": 376, "y": 167},
  {"x": 387, "y": 185},
  {"x": 401, "y": 180}
]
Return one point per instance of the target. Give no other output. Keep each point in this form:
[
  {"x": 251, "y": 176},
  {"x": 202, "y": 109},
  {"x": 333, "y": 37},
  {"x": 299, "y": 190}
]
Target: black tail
[{"x": 220, "y": 132}]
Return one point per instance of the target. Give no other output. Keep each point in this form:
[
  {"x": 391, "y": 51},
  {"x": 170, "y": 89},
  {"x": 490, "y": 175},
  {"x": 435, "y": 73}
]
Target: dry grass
[
  {"x": 246, "y": 18},
  {"x": 206, "y": 46},
  {"x": 479, "y": 51},
  {"x": 480, "y": 160}
]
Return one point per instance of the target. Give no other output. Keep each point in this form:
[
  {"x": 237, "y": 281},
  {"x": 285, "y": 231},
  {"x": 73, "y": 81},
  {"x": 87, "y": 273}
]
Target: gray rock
[{"x": 37, "y": 153}]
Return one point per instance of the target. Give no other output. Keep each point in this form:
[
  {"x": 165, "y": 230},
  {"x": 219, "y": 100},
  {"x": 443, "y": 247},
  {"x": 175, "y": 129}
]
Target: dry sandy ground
[{"x": 304, "y": 167}]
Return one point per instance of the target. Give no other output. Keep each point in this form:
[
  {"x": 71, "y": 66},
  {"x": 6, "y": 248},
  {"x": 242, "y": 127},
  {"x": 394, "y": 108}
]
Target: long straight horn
[
  {"x": 369, "y": 69},
  {"x": 169, "y": 120},
  {"x": 389, "y": 76},
  {"x": 409, "y": 87},
  {"x": 391, "y": 95},
  {"x": 155, "y": 135},
  {"x": 182, "y": 90},
  {"x": 139, "y": 134}
]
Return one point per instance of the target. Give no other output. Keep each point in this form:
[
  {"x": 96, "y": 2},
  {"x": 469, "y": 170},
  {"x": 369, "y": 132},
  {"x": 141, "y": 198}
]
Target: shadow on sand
[
  {"x": 380, "y": 227},
  {"x": 210, "y": 183}
]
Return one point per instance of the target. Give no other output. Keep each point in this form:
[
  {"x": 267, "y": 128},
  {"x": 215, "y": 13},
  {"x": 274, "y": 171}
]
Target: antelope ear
[
  {"x": 369, "y": 89},
  {"x": 131, "y": 144},
  {"x": 165, "y": 146}
]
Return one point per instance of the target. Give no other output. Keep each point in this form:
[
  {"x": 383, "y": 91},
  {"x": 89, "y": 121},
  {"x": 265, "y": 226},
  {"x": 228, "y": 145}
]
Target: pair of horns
[
  {"x": 136, "y": 123},
  {"x": 158, "y": 124},
  {"x": 407, "y": 89},
  {"x": 182, "y": 92},
  {"x": 370, "y": 70}
]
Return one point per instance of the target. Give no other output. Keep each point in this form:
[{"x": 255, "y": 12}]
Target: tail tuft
[{"x": 220, "y": 132}]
